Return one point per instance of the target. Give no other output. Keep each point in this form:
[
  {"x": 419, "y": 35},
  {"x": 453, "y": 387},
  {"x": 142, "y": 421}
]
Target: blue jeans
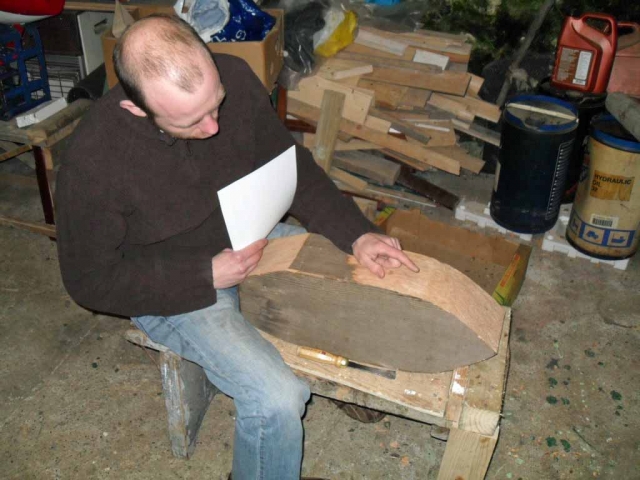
[{"x": 270, "y": 400}]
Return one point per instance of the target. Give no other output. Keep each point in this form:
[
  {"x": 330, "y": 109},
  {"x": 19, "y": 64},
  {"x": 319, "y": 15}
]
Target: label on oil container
[
  {"x": 607, "y": 186},
  {"x": 574, "y": 66},
  {"x": 604, "y": 221},
  {"x": 600, "y": 236}
]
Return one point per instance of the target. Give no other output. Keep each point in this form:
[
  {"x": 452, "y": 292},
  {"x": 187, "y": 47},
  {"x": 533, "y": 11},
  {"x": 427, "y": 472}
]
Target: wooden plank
[
  {"x": 372, "y": 52},
  {"x": 431, "y": 58},
  {"x": 441, "y": 133},
  {"x": 386, "y": 94},
  {"x": 446, "y": 82},
  {"x": 428, "y": 190},
  {"x": 390, "y": 196},
  {"x": 369, "y": 166},
  {"x": 372, "y": 40},
  {"x": 478, "y": 107},
  {"x": 459, "y": 384},
  {"x": 328, "y": 127},
  {"x": 451, "y": 104},
  {"x": 308, "y": 140},
  {"x": 467, "y": 455},
  {"x": 362, "y": 388},
  {"x": 323, "y": 291},
  {"x": 354, "y": 182},
  {"x": 311, "y": 89},
  {"x": 476, "y": 131},
  {"x": 369, "y": 208},
  {"x": 407, "y": 129},
  {"x": 339, "y": 69},
  {"x": 39, "y": 228},
  {"x": 483, "y": 399},
  {"x": 419, "y": 156},
  {"x": 376, "y": 123},
  {"x": 15, "y": 152},
  {"x": 384, "y": 62},
  {"x": 468, "y": 162},
  {"x": 416, "y": 97}
]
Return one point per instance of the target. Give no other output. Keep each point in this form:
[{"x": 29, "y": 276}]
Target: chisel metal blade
[{"x": 376, "y": 371}]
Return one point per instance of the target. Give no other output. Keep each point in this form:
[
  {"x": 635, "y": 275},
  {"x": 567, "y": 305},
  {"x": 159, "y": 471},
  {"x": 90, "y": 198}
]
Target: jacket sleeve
[
  {"x": 318, "y": 204},
  {"x": 100, "y": 274}
]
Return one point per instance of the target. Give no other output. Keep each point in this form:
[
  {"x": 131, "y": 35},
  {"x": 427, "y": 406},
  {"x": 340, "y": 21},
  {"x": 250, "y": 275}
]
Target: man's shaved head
[{"x": 159, "y": 47}]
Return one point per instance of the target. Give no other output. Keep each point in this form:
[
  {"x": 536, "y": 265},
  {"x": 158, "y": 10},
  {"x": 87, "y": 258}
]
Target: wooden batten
[
  {"x": 446, "y": 82},
  {"x": 368, "y": 165},
  {"x": 386, "y": 94},
  {"x": 452, "y": 104},
  {"x": 308, "y": 292}
]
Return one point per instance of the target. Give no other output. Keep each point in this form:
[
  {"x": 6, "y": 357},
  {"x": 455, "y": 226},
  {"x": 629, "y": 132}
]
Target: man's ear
[{"x": 132, "y": 108}]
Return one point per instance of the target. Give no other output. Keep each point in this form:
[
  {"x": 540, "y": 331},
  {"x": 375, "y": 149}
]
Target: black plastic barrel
[
  {"x": 588, "y": 106},
  {"x": 538, "y": 135}
]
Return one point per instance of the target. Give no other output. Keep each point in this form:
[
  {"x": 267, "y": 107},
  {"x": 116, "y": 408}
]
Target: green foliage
[{"x": 499, "y": 34}]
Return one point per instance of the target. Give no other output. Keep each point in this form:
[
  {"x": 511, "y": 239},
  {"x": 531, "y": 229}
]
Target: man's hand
[
  {"x": 230, "y": 267},
  {"x": 379, "y": 252}
]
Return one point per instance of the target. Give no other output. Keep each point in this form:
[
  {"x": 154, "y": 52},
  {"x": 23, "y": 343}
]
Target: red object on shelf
[
  {"x": 32, "y": 7},
  {"x": 625, "y": 76},
  {"x": 585, "y": 54}
]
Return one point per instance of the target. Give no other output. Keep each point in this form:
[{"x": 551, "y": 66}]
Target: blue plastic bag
[{"x": 247, "y": 23}]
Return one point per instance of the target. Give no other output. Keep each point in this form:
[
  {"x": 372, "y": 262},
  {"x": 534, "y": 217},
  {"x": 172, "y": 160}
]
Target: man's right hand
[{"x": 231, "y": 267}]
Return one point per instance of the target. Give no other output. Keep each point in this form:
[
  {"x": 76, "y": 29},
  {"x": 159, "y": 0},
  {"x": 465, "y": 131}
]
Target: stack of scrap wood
[{"x": 402, "y": 94}]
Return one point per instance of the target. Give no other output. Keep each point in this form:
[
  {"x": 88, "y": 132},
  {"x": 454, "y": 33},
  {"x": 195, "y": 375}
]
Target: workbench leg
[
  {"x": 187, "y": 394},
  {"x": 42, "y": 158},
  {"x": 467, "y": 455}
]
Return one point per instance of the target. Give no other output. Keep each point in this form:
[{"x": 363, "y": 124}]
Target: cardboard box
[
  {"x": 496, "y": 264},
  {"x": 265, "y": 57}
]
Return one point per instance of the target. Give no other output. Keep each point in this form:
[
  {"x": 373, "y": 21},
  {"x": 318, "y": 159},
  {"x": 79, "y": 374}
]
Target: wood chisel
[{"x": 338, "y": 361}]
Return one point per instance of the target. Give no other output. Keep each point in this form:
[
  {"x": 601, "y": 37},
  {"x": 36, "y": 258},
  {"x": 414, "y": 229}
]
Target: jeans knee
[{"x": 287, "y": 402}]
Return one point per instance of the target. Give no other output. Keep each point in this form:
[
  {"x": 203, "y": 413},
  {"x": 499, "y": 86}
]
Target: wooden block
[
  {"x": 477, "y": 131},
  {"x": 354, "y": 182},
  {"x": 372, "y": 40},
  {"x": 338, "y": 69},
  {"x": 403, "y": 127},
  {"x": 386, "y": 94},
  {"x": 369, "y": 166},
  {"x": 451, "y": 104},
  {"x": 328, "y": 127},
  {"x": 446, "y": 82},
  {"x": 418, "y": 157},
  {"x": 308, "y": 292},
  {"x": 416, "y": 97},
  {"x": 311, "y": 89},
  {"x": 478, "y": 107},
  {"x": 468, "y": 162}
]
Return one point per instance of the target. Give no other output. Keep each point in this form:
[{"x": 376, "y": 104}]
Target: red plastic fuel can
[
  {"x": 585, "y": 53},
  {"x": 625, "y": 75}
]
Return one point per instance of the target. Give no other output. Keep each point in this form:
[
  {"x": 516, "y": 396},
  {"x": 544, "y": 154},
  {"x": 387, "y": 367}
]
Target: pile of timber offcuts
[{"x": 390, "y": 105}]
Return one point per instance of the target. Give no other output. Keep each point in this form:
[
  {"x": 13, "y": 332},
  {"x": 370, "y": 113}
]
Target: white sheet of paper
[{"x": 253, "y": 205}]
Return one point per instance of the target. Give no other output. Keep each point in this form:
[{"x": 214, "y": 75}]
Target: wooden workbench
[
  {"x": 41, "y": 137},
  {"x": 467, "y": 401}
]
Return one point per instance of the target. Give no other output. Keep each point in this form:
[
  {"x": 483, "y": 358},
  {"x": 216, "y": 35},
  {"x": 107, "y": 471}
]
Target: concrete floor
[{"x": 79, "y": 402}]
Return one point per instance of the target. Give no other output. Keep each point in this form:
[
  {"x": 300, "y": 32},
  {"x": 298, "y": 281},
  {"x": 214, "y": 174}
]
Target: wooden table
[
  {"x": 41, "y": 137},
  {"x": 467, "y": 401}
]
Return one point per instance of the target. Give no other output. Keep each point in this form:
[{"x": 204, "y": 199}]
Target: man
[{"x": 141, "y": 234}]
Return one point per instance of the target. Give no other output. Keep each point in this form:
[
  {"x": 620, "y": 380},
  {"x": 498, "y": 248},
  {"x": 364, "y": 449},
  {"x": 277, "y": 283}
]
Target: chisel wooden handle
[{"x": 322, "y": 356}]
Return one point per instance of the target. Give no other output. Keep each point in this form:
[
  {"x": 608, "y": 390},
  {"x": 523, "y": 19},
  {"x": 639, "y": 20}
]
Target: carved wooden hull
[{"x": 308, "y": 292}]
